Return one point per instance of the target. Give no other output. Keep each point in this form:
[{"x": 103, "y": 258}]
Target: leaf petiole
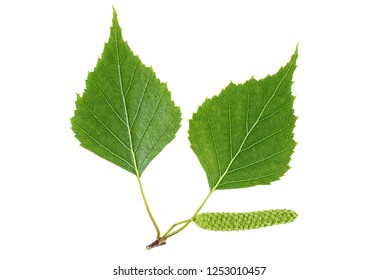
[
  {"x": 175, "y": 225},
  {"x": 147, "y": 207},
  {"x": 187, "y": 222}
]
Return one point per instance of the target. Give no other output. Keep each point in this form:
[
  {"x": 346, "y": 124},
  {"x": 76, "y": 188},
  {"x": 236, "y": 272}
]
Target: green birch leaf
[
  {"x": 126, "y": 114},
  {"x": 244, "y": 136},
  {"x": 224, "y": 221}
]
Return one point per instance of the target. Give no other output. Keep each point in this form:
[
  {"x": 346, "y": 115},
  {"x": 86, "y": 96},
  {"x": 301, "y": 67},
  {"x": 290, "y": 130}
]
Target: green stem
[
  {"x": 175, "y": 225},
  {"x": 187, "y": 222},
  {"x": 147, "y": 206}
]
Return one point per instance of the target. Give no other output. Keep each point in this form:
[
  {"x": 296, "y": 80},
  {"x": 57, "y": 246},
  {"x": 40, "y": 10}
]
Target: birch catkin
[{"x": 224, "y": 221}]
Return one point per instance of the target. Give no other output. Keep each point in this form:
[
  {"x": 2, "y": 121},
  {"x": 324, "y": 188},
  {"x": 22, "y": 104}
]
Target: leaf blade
[
  {"x": 125, "y": 114},
  {"x": 254, "y": 124}
]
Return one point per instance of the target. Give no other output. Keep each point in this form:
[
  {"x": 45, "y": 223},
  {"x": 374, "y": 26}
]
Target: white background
[{"x": 68, "y": 214}]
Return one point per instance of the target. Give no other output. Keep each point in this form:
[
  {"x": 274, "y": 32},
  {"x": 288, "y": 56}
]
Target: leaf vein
[
  {"x": 107, "y": 101},
  {"x": 148, "y": 125},
  {"x": 123, "y": 58},
  {"x": 156, "y": 142},
  {"x": 131, "y": 81},
  {"x": 202, "y": 152},
  {"x": 247, "y": 112},
  {"x": 249, "y": 179},
  {"x": 259, "y": 161},
  {"x": 267, "y": 137},
  {"x": 214, "y": 144},
  {"x": 141, "y": 100},
  {"x": 106, "y": 127},
  {"x": 276, "y": 111},
  {"x": 230, "y": 130},
  {"x": 109, "y": 77},
  {"x": 105, "y": 147}
]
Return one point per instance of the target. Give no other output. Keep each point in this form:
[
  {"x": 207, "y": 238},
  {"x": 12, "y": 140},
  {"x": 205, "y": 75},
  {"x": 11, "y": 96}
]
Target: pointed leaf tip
[
  {"x": 115, "y": 19},
  {"x": 244, "y": 136},
  {"x": 125, "y": 114}
]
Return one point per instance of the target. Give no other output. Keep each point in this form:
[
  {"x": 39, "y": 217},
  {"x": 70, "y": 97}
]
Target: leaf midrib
[
  {"x": 124, "y": 105},
  {"x": 251, "y": 129}
]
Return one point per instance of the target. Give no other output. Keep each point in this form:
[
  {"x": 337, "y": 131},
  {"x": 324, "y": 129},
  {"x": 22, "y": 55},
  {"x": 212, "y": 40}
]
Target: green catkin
[{"x": 224, "y": 221}]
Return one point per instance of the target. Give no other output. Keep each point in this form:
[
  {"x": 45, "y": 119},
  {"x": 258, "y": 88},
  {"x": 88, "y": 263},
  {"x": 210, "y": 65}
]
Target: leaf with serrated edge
[
  {"x": 244, "y": 136},
  {"x": 126, "y": 114}
]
